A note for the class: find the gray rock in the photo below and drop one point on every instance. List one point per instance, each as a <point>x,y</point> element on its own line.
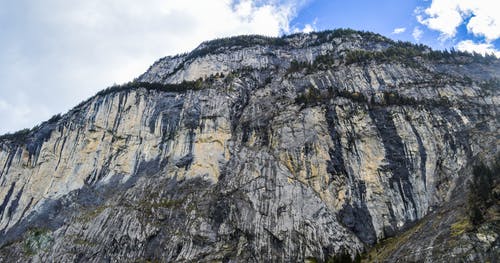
<point>265,162</point>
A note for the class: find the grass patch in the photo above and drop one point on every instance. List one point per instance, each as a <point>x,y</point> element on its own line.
<point>168,203</point>
<point>92,213</point>
<point>311,260</point>
<point>384,249</point>
<point>84,242</point>
<point>162,203</point>
<point>460,227</point>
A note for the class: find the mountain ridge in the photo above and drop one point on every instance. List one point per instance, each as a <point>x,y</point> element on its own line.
<point>317,39</point>
<point>254,152</point>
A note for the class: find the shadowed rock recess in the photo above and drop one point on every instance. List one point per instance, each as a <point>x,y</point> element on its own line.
<point>308,147</point>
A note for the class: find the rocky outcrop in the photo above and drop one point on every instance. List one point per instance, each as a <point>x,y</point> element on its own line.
<point>465,229</point>
<point>250,149</point>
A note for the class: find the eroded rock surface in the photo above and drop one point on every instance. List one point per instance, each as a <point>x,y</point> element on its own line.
<point>280,150</point>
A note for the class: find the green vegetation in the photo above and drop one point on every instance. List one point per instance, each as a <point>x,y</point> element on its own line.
<point>482,191</point>
<point>344,257</point>
<point>405,52</point>
<point>168,203</point>
<point>18,137</point>
<point>329,35</point>
<point>404,55</point>
<point>216,46</point>
<point>296,66</point>
<point>79,241</point>
<point>354,96</point>
<point>460,227</point>
<point>21,137</point>
<point>313,96</point>
<point>323,61</point>
<point>92,213</point>
<point>491,84</point>
<point>148,206</point>
<point>385,248</point>
<point>181,87</point>
<point>484,194</point>
<point>37,239</point>
<point>199,84</point>
<point>393,98</point>
<point>401,52</point>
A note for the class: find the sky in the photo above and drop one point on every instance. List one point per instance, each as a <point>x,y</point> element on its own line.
<point>56,53</point>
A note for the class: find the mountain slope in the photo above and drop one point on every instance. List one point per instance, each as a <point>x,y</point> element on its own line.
<point>252,149</point>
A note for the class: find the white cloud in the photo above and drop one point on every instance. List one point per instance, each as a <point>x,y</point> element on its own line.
<point>56,53</point>
<point>417,33</point>
<point>308,28</point>
<point>399,30</point>
<point>446,16</point>
<point>481,48</point>
<point>442,15</point>
<point>486,19</point>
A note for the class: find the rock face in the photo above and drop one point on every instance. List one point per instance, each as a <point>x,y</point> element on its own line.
<point>253,149</point>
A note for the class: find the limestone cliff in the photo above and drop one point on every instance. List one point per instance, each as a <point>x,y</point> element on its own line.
<point>253,149</point>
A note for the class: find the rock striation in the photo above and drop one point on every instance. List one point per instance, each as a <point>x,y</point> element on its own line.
<point>254,149</point>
